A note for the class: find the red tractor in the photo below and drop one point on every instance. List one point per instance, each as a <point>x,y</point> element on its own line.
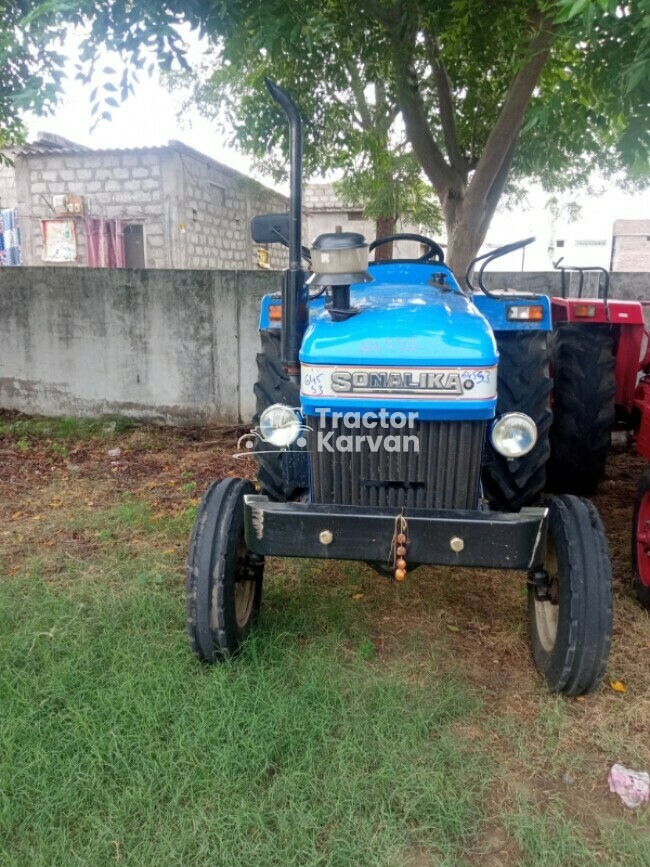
<point>601,371</point>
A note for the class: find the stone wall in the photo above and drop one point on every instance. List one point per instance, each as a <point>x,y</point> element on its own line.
<point>126,185</point>
<point>215,208</point>
<point>7,187</point>
<point>320,197</point>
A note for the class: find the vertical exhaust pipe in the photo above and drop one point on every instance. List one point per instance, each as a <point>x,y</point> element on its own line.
<point>295,314</point>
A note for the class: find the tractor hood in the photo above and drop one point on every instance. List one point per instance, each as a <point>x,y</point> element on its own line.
<point>421,346</point>
<point>426,326</point>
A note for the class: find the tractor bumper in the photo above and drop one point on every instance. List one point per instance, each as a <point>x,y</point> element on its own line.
<point>492,540</point>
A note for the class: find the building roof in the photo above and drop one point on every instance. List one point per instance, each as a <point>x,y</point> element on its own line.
<point>47,144</point>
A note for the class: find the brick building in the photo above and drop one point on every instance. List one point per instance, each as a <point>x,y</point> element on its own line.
<point>155,207</point>
<point>631,245</point>
<point>326,212</point>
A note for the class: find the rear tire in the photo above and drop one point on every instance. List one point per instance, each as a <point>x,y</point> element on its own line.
<point>641,541</point>
<point>224,579</point>
<point>571,629</point>
<point>523,385</point>
<point>583,407</point>
<point>273,386</point>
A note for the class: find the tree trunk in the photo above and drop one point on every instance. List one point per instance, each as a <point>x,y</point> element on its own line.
<point>385,227</point>
<point>464,239</point>
<point>468,190</point>
<point>466,231</point>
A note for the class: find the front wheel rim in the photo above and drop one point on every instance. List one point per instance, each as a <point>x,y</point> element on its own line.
<point>245,587</point>
<point>642,540</point>
<point>547,611</point>
<point>244,596</point>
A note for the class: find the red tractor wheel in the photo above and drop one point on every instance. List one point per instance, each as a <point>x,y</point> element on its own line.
<point>583,407</point>
<point>641,541</point>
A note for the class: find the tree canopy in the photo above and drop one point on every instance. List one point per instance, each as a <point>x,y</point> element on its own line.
<point>483,93</point>
<point>350,114</point>
<point>488,93</point>
<point>32,63</point>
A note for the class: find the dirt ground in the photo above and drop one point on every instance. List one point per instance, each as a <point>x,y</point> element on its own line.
<point>555,753</point>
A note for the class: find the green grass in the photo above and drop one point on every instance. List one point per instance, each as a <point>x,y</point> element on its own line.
<point>117,747</point>
<point>549,838</point>
<point>131,517</point>
<point>348,733</point>
<point>68,429</point>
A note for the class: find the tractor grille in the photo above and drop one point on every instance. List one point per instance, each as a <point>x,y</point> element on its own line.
<point>443,473</point>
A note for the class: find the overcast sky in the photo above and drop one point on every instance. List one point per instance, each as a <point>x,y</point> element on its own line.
<point>149,117</point>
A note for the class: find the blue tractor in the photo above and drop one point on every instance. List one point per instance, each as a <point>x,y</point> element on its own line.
<point>401,420</point>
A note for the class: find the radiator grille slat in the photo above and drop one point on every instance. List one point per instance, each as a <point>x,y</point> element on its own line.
<point>443,473</point>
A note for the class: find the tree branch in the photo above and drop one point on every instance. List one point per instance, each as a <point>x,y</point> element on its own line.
<point>445,103</point>
<point>508,125</point>
<point>362,104</point>
<point>346,106</point>
<point>442,176</point>
<point>381,106</point>
<point>499,182</point>
<point>385,114</point>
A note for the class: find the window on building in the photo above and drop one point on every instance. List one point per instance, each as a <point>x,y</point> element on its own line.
<point>219,193</point>
<point>134,245</point>
<point>355,216</point>
<point>338,229</point>
<point>559,243</point>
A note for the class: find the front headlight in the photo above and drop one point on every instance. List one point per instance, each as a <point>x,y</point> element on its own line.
<point>514,434</point>
<point>280,425</point>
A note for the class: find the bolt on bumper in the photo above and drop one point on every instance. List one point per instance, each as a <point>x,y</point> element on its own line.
<point>492,540</point>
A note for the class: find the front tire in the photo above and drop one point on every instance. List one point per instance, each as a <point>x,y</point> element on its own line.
<point>224,579</point>
<point>523,385</point>
<point>583,407</point>
<point>571,628</point>
<point>641,541</point>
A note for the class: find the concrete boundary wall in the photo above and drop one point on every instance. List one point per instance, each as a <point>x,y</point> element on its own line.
<point>629,285</point>
<point>171,346</point>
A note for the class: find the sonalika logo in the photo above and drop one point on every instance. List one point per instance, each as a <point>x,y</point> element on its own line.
<point>396,381</point>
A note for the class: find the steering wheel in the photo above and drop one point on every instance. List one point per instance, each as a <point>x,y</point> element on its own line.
<point>435,250</point>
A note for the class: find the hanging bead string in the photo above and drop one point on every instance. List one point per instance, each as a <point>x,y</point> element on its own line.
<point>398,548</point>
